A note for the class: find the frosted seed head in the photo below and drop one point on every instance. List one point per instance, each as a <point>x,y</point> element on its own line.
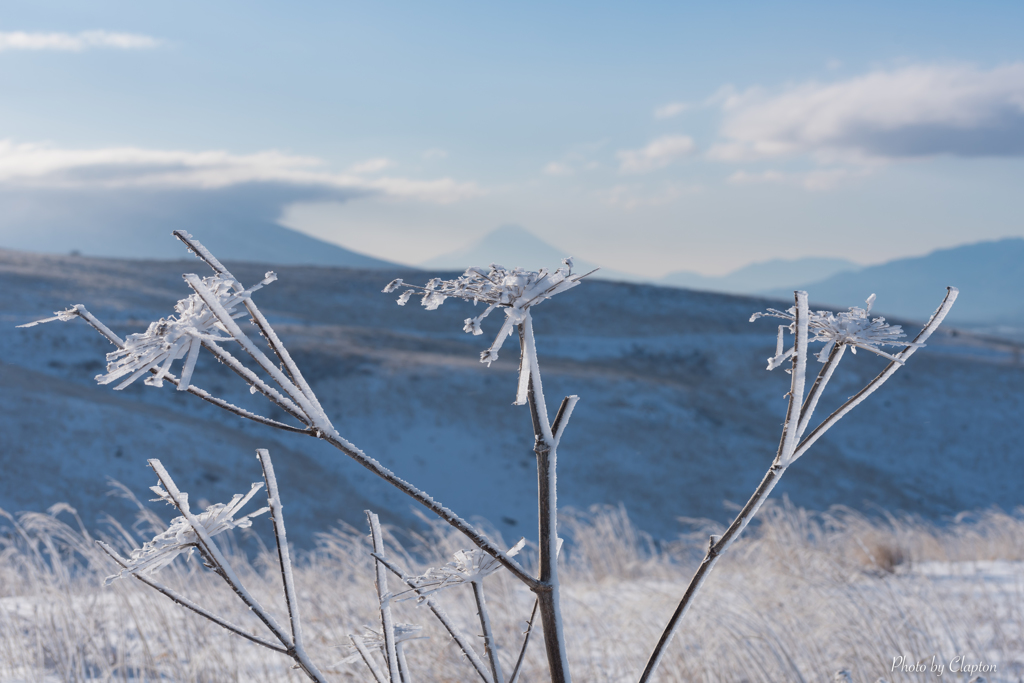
<point>853,328</point>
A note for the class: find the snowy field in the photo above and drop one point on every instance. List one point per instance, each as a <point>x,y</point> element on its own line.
<point>804,596</point>
<point>676,415</point>
<point>677,422</point>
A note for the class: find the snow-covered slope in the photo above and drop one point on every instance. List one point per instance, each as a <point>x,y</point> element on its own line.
<point>677,414</point>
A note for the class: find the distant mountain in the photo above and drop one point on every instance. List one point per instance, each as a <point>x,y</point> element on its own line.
<point>238,224</point>
<point>990,276</point>
<point>514,246</point>
<point>757,277</point>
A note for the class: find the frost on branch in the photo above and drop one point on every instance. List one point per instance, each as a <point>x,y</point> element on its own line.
<point>63,316</point>
<point>375,639</point>
<point>466,566</point>
<point>180,537</point>
<point>853,328</point>
<point>170,339</point>
<point>515,290</point>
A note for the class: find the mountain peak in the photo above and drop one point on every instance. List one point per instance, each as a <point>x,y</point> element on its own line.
<point>508,245</point>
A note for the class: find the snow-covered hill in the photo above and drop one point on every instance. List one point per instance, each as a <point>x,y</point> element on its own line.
<point>677,414</point>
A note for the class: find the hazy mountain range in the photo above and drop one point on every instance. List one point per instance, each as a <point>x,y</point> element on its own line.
<point>990,275</point>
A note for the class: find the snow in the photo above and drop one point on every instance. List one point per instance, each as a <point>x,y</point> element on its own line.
<point>676,413</point>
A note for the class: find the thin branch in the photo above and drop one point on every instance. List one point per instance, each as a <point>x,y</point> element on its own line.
<point>188,604</point>
<point>490,645</point>
<point>236,332</point>
<point>99,326</point>
<point>547,509</point>
<point>384,598</point>
<point>717,545</point>
<point>378,675</point>
<point>284,558</point>
<point>202,252</point>
<point>448,624</point>
<point>562,417</point>
<point>434,506</point>
<point>824,375</point>
<point>403,666</point>
<point>255,381</point>
<point>788,453</point>
<point>799,374</point>
<point>212,552</point>
<point>526,641</point>
<point>263,325</point>
<point>873,385</point>
<point>109,335</point>
<point>241,412</point>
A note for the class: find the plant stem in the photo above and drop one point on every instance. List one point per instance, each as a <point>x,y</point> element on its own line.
<point>547,510</point>
<point>452,629</point>
<point>485,623</point>
<point>933,323</point>
<point>526,641</point>
<point>718,545</point>
<point>378,675</point>
<point>387,623</point>
<point>188,604</point>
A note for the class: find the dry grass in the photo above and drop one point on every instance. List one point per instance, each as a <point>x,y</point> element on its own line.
<point>805,594</point>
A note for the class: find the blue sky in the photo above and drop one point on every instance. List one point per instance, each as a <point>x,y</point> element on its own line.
<point>646,137</point>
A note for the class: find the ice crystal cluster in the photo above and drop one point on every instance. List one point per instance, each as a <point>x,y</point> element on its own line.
<point>515,290</point>
<point>466,566</point>
<point>181,537</point>
<point>853,328</point>
<point>170,339</point>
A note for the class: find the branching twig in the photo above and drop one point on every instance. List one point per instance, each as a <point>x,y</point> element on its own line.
<point>285,561</point>
<point>449,625</point>
<point>378,675</point>
<point>545,448</point>
<point>188,604</point>
<point>526,642</point>
<point>798,417</point>
<point>490,645</point>
<point>384,599</point>
<point>222,567</point>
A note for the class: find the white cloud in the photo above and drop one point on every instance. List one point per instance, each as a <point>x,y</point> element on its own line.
<point>818,180</point>
<point>908,112</point>
<point>658,154</point>
<point>75,42</point>
<point>375,165</point>
<point>558,168</point>
<point>634,197</point>
<point>670,110</point>
<point>126,167</point>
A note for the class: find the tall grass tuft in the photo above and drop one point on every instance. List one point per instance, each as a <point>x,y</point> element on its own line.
<point>804,594</point>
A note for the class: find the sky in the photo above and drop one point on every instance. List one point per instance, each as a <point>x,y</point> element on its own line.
<point>646,137</point>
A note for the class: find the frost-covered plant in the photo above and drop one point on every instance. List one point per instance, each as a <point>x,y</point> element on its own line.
<point>191,531</point>
<point>181,537</point>
<point>515,291</point>
<point>852,329</point>
<point>466,566</point>
<point>208,316</point>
